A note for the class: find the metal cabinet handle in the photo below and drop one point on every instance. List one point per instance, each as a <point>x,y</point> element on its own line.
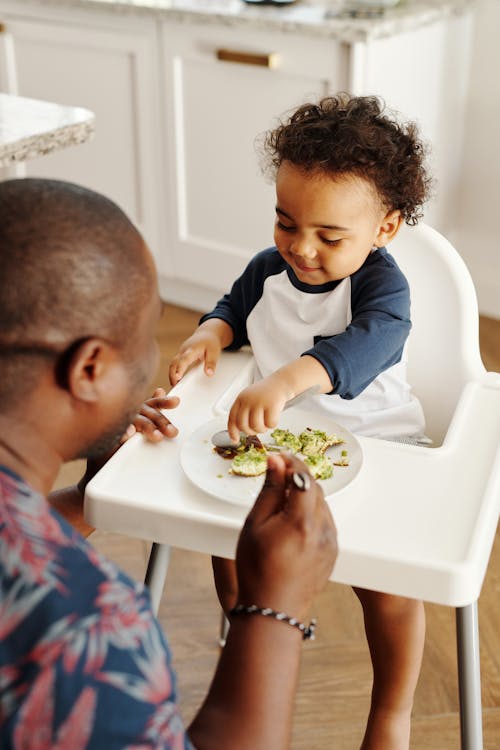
<point>269,60</point>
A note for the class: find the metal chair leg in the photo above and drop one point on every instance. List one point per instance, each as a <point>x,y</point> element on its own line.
<point>469,677</point>
<point>156,573</point>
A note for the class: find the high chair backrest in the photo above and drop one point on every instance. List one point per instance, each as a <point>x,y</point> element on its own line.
<point>443,347</point>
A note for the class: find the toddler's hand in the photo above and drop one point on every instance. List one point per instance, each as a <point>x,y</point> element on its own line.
<point>203,346</point>
<point>150,420</point>
<point>257,408</point>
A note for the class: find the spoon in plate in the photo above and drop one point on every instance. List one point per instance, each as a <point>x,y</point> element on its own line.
<point>221,438</point>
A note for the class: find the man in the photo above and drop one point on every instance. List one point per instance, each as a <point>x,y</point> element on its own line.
<point>83,662</point>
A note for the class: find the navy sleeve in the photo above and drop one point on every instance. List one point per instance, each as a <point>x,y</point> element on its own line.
<point>375,338</point>
<point>235,307</point>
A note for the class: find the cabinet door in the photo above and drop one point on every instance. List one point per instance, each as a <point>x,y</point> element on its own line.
<point>223,209</point>
<point>112,72</point>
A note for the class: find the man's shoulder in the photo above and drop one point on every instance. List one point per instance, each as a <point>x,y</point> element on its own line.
<point>77,634</point>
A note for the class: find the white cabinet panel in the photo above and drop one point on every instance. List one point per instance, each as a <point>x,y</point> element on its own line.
<point>224,209</point>
<point>423,73</point>
<point>114,74</point>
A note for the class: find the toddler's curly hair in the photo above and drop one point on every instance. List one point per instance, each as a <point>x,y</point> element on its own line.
<point>346,134</point>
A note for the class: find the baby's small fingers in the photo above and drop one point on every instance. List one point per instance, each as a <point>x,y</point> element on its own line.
<point>159,392</point>
<point>173,376</point>
<point>180,364</point>
<point>175,373</point>
<point>131,430</point>
<point>150,419</point>
<point>256,421</point>
<point>211,359</point>
<point>271,417</point>
<point>153,432</point>
<point>163,402</point>
<point>234,423</point>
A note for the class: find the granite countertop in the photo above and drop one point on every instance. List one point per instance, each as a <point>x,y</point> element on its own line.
<point>330,18</point>
<point>30,128</point>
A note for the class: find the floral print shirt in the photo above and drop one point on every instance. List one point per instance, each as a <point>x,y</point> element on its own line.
<point>83,661</point>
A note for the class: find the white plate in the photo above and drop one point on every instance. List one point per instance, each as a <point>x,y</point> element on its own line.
<point>210,472</point>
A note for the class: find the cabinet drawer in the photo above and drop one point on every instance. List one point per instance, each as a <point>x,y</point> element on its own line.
<point>223,88</point>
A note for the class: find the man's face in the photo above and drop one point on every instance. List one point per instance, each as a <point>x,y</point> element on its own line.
<point>132,374</point>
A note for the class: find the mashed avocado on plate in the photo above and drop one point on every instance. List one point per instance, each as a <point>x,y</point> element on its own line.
<point>314,442</point>
<point>250,463</point>
<point>249,458</point>
<point>319,465</point>
<point>286,439</point>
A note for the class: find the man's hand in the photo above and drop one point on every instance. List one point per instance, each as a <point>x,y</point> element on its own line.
<point>288,545</point>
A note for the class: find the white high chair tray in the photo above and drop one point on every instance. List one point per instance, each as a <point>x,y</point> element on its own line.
<point>417,521</point>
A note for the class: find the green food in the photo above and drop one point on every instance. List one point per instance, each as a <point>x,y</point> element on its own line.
<point>249,460</point>
<point>313,442</point>
<point>343,460</point>
<point>286,439</point>
<point>319,465</point>
<point>251,463</point>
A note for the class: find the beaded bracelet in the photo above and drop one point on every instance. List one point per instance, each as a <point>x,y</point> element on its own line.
<point>252,609</point>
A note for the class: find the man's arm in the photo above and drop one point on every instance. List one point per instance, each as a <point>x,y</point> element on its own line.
<point>69,504</point>
<point>250,702</point>
<point>285,556</point>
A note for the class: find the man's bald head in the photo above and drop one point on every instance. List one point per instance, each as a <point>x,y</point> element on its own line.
<point>72,266</point>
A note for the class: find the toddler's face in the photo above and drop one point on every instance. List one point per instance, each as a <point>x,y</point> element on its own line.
<point>326,228</point>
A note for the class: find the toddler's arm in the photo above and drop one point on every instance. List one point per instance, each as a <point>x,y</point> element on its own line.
<point>258,407</point>
<point>203,346</point>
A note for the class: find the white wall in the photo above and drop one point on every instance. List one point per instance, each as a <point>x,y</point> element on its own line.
<point>478,235</point>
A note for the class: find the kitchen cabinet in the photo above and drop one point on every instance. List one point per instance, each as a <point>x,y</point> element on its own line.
<point>223,208</point>
<point>73,58</point>
<point>181,93</point>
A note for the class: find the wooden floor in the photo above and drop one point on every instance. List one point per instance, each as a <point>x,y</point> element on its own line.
<point>333,698</point>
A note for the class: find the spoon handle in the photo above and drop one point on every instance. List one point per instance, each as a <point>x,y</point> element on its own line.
<point>297,399</point>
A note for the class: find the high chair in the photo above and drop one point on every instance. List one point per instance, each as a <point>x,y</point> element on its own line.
<point>417,521</point>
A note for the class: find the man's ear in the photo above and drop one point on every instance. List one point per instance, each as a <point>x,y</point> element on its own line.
<point>87,367</point>
<point>389,227</point>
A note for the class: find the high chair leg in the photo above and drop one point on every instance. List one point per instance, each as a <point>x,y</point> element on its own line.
<point>156,573</point>
<point>469,677</point>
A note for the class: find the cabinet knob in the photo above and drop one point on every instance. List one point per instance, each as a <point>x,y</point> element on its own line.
<point>264,60</point>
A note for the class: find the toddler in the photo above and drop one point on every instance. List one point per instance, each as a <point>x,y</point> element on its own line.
<point>328,306</point>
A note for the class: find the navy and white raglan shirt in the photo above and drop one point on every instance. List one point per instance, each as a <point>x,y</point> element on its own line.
<point>356,327</point>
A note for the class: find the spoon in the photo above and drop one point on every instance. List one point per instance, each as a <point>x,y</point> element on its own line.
<point>221,438</point>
